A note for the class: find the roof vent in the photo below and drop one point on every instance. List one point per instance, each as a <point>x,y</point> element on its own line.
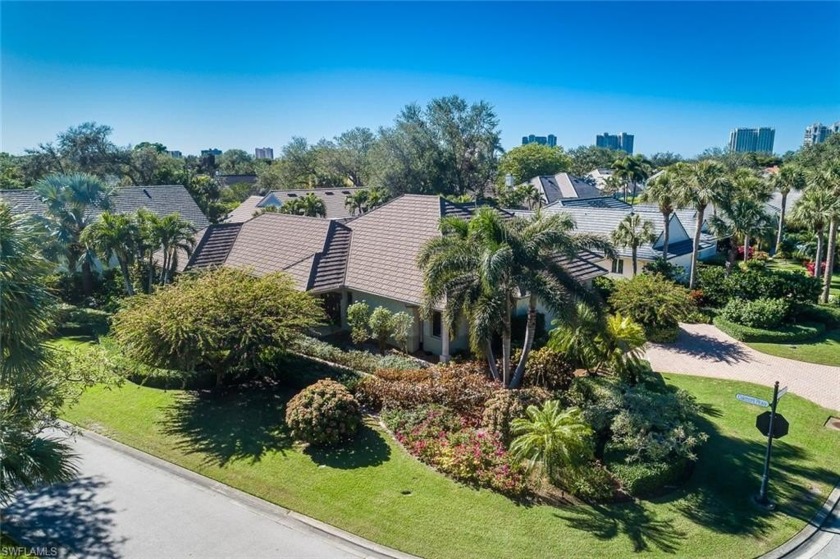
<point>329,193</point>
<point>146,192</point>
<point>345,192</point>
<point>291,195</point>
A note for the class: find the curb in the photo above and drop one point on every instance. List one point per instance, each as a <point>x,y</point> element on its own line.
<point>809,530</point>
<point>342,539</point>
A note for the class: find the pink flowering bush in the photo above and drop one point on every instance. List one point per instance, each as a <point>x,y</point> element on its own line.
<point>811,266</point>
<point>457,448</point>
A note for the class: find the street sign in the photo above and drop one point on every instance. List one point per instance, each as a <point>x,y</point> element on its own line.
<point>780,425</point>
<point>753,401</point>
<point>783,391</point>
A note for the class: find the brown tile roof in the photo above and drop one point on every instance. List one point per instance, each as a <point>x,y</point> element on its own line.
<point>214,246</point>
<point>244,211</point>
<point>333,198</point>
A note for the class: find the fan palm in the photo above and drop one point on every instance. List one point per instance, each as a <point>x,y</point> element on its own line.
<point>813,210</point>
<point>114,236</point>
<point>71,202</point>
<point>552,438</point>
<point>788,178</point>
<point>479,269</point>
<point>696,185</point>
<point>634,232</point>
<point>660,191</point>
<point>828,177</point>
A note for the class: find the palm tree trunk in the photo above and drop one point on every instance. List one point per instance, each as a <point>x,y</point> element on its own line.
<point>731,257</point>
<point>829,259</point>
<point>633,250</point>
<point>164,266</point>
<point>781,223</point>
<point>151,271</point>
<point>87,277</point>
<point>696,247</point>
<point>506,347</point>
<point>530,332</point>
<point>491,360</point>
<point>818,258</point>
<point>746,247</point>
<point>129,289</point>
<point>667,232</point>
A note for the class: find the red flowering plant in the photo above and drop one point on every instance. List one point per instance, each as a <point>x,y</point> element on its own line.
<point>810,266</point>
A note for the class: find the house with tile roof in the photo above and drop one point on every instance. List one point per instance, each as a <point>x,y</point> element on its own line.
<point>371,258</point>
<point>563,186</point>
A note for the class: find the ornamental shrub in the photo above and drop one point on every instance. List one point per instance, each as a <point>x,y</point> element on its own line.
<point>756,283</point>
<point>788,334</point>
<point>323,414</point>
<point>363,361</point>
<point>590,483</point>
<point>761,313</point>
<point>648,478</point>
<point>506,405</point>
<point>81,321</point>
<point>652,301</point>
<point>462,387</point>
<point>548,369</point>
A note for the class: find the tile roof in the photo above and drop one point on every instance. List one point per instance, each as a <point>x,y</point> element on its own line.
<point>215,244</point>
<point>563,185</point>
<point>159,199</point>
<point>599,202</point>
<point>333,198</point>
<point>244,211</point>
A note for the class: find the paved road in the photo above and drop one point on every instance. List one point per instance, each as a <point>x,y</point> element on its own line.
<point>703,350</point>
<point>126,504</point>
<point>825,544</point>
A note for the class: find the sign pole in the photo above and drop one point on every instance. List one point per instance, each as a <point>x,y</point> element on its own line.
<point>762,495</point>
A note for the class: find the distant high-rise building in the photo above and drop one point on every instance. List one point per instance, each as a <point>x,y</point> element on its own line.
<point>752,140</point>
<point>550,140</point>
<point>264,153</point>
<point>175,153</point>
<point>623,141</point>
<point>212,151</point>
<point>817,133</point>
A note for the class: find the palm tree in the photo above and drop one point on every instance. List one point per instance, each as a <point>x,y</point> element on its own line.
<point>114,236</point>
<point>633,232</point>
<point>787,179</point>
<point>552,438</point>
<point>71,202</point>
<point>813,210</point>
<point>309,205</point>
<point>147,244</point>
<point>828,177</point>
<point>173,234</point>
<point>632,169</point>
<point>660,191</point>
<point>356,202</point>
<point>532,196</point>
<point>696,186</point>
<point>479,269</point>
<point>28,459</point>
<point>741,211</point>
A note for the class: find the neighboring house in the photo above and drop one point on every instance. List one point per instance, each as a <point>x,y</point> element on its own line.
<point>159,199</point>
<point>230,180</point>
<point>599,177</point>
<point>601,216</point>
<point>245,210</point>
<point>371,258</point>
<point>334,200</point>
<point>563,186</point>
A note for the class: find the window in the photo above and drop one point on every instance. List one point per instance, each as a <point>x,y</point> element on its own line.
<point>618,266</point>
<point>437,324</point>
<point>332,308</point>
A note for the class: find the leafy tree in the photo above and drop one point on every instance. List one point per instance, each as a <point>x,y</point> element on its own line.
<point>348,156</point>
<point>70,201</point>
<point>532,160</point>
<point>148,165</point>
<point>236,162</point>
<point>156,146</point>
<point>634,232</point>
<point>588,158</point>
<point>206,192</point>
<point>309,205</point>
<point>385,324</point>
<point>478,269</point>
<point>223,320</point>
<point>787,179</point>
<point>654,302</point>
<point>297,166</point>
<point>660,191</point>
<point>448,147</point>
<point>12,175</point>
<point>86,148</point>
<point>552,438</point>
<point>696,185</point>
<point>113,236</point>
<point>632,169</point>
<point>661,160</point>
<point>358,316</point>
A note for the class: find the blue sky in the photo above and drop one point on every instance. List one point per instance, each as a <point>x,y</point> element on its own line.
<point>194,75</point>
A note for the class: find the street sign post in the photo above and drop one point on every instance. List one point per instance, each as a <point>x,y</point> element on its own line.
<point>783,391</point>
<point>751,400</point>
<point>772,425</point>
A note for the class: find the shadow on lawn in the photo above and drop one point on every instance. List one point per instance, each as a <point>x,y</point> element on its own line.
<point>632,520</point>
<point>239,424</point>
<point>70,517</point>
<point>368,448</point>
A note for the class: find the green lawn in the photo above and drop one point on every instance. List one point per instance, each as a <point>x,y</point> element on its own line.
<point>824,349</point>
<point>374,489</point>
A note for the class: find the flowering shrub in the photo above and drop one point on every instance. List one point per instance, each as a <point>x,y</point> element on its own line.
<point>463,388</point>
<point>811,265</point>
<point>324,413</point>
<point>506,405</point>
<point>449,444</point>
<point>750,254</point>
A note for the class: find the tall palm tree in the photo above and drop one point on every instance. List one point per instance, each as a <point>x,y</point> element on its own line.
<point>634,232</point>
<point>71,204</point>
<point>552,438</point>
<point>660,191</point>
<point>479,269</point>
<point>741,212</point>
<point>147,244</point>
<point>173,234</point>
<point>813,210</point>
<point>532,196</point>
<point>828,177</point>
<point>696,186</point>
<point>787,179</point>
<point>632,169</point>
<point>114,236</point>
<point>28,458</point>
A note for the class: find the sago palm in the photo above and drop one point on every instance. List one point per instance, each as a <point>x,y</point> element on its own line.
<point>633,232</point>
<point>552,438</point>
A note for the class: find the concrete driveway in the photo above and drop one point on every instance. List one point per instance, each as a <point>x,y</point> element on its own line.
<point>128,504</point>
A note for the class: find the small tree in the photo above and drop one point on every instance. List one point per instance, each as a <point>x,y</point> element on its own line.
<point>384,324</point>
<point>654,302</point>
<point>358,315</point>
<point>220,320</point>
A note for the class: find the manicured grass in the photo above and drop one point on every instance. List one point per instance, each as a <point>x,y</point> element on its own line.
<point>374,489</point>
<point>824,349</point>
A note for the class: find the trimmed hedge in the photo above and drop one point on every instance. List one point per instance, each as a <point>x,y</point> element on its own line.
<point>793,333</point>
<point>826,314</point>
<point>363,361</point>
<point>646,479</point>
<point>81,321</point>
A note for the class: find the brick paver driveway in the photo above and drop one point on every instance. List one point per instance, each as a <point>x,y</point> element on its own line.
<point>703,350</point>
